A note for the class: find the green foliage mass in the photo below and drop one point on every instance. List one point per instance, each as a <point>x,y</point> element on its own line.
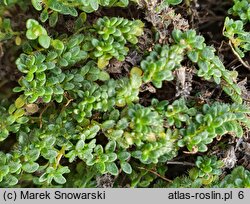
<point>158,66</point>
<point>204,174</point>
<point>241,9</point>
<point>113,34</point>
<point>70,120</point>
<point>213,121</point>
<point>235,29</point>
<point>239,178</point>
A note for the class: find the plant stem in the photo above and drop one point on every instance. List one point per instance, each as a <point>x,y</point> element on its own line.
<point>155,173</point>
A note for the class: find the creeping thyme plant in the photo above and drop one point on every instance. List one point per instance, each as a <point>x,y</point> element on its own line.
<point>235,29</point>
<point>76,110</point>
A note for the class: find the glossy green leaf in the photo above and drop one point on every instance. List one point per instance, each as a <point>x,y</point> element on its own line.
<point>112,168</point>
<point>126,167</point>
<point>30,167</point>
<point>44,41</point>
<point>37,4</point>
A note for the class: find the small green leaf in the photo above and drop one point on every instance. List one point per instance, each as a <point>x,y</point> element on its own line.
<point>112,169</point>
<point>3,134</point>
<point>11,180</point>
<point>100,167</point>
<point>111,157</point>
<point>69,86</point>
<point>33,154</point>
<point>193,56</point>
<point>53,19</point>
<point>181,143</point>
<point>110,147</point>
<point>238,182</point>
<point>108,124</point>
<point>102,62</point>
<point>207,169</point>
<point>10,119</point>
<point>33,98</point>
<point>199,118</point>
<point>44,15</point>
<point>126,167</point>
<point>44,41</point>
<point>173,2</point>
<point>37,4</point>
<point>57,44</point>
<point>104,76</point>
<point>30,23</point>
<point>202,148</point>
<point>123,156</point>
<point>94,4</point>
<point>43,177</point>
<point>20,102</point>
<point>59,179</point>
<point>80,145</point>
<point>30,167</point>
<point>31,35</point>
<point>49,154</point>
